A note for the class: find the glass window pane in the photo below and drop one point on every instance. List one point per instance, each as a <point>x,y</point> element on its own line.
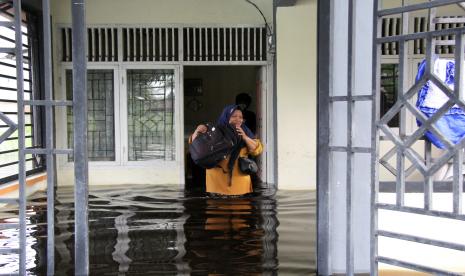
<point>389,82</point>
<point>151,115</point>
<point>100,117</point>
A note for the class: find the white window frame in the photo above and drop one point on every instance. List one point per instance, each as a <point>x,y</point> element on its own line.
<point>117,113</point>
<point>176,163</point>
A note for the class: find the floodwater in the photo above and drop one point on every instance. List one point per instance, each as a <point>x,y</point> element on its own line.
<point>164,230</point>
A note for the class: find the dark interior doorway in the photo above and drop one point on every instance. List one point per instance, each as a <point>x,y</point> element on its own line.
<point>207,89</point>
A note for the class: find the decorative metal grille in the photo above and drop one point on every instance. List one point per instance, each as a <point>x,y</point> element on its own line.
<point>102,44</point>
<point>101,119</point>
<point>151,114</point>
<point>391,26</point>
<point>224,44</point>
<point>8,97</point>
<point>164,44</point>
<point>429,39</point>
<point>150,44</point>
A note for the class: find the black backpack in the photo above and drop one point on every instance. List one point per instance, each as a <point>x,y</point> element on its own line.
<point>209,148</point>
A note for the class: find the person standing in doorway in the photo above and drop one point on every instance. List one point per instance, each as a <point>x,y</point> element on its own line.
<point>226,179</point>
<point>243,100</point>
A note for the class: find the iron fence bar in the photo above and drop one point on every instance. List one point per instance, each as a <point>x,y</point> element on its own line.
<point>81,178</point>
<point>181,44</point>
<point>48,151</point>
<point>230,44</point>
<point>173,42</point>
<point>417,163</point>
<point>420,211</point>
<point>353,149</point>
<point>207,43</point>
<point>6,134</point>
<point>445,186</point>
<point>388,166</point>
<point>416,267</point>
<point>353,98</point>
<point>400,166</point>
<point>48,103</point>
<point>449,245</point>
<point>6,50</point>
<point>236,43</point>
<point>323,154</point>
<point>444,158</point>
<point>10,251</point>
<point>6,119</point>
<point>21,136</point>
<point>147,44</point>
<point>188,34</point>
<point>6,24</point>
<point>200,52</point>
<point>419,35</point>
<point>350,155</point>
<point>5,226</point>
<point>415,7</point>
<point>9,201</point>
<point>375,108</point>
<point>195,55</point>
<point>260,50</point>
<point>458,158</point>
<point>428,185</point>
<point>242,44</point>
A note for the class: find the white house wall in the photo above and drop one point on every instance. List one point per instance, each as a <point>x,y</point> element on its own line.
<point>167,11</point>
<point>296,95</point>
<point>296,72</point>
<point>143,12</point>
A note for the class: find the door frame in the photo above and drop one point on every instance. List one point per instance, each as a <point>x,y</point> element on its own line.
<point>267,110</point>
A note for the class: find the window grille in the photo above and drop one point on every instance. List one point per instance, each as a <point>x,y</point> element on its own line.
<point>164,44</point>
<point>102,44</point>
<point>224,44</point>
<point>8,96</point>
<point>391,26</point>
<point>100,119</point>
<point>151,115</point>
<point>150,44</point>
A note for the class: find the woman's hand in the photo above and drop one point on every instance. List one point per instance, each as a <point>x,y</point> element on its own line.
<point>199,129</point>
<point>251,143</point>
<point>241,133</point>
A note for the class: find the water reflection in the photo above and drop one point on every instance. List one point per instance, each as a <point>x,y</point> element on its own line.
<point>161,230</point>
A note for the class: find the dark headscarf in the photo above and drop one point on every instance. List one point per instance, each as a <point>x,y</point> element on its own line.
<point>224,121</point>
<point>226,115</point>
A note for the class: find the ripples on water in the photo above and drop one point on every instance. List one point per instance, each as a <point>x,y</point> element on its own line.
<point>162,230</point>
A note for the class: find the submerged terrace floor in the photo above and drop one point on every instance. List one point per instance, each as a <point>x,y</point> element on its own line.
<point>164,230</point>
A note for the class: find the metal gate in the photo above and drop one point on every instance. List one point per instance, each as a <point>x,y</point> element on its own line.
<point>80,128</point>
<point>407,158</point>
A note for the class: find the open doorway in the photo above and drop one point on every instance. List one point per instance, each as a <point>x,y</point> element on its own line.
<point>207,89</point>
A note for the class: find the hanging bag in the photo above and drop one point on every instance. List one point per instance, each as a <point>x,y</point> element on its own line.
<point>213,146</point>
<point>247,165</point>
